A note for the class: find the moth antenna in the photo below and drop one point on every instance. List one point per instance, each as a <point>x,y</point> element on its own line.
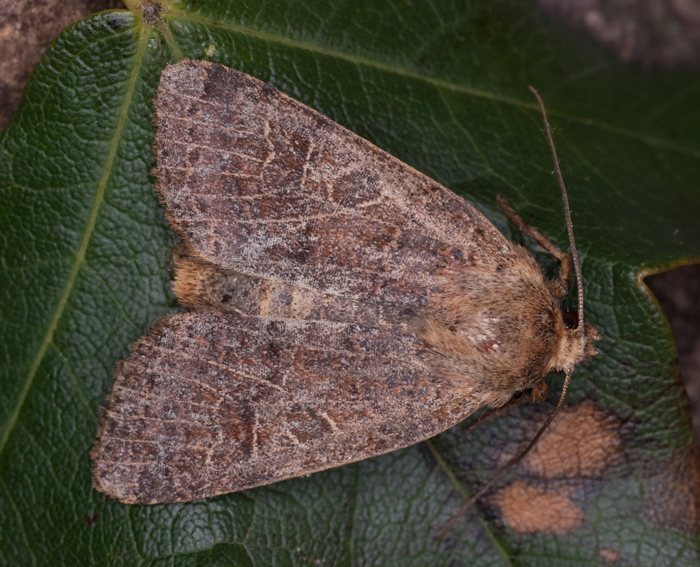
<point>565,204</point>
<point>567,377</point>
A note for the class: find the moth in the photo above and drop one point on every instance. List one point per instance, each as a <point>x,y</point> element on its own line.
<point>340,304</point>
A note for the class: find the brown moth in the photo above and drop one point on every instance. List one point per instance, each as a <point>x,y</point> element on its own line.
<point>342,304</point>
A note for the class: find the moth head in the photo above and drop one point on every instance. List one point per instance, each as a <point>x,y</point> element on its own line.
<point>575,346</point>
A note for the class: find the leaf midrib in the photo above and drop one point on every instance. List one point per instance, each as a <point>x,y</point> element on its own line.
<point>427,79</point>
<point>88,232</point>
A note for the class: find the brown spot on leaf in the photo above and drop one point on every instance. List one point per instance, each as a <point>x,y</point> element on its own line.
<point>582,442</point>
<point>609,555</point>
<point>529,509</point>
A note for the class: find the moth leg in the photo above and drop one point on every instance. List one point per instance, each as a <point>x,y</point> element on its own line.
<point>560,285</point>
<point>536,394</point>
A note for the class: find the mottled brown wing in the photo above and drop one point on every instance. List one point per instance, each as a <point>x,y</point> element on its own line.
<point>211,403</point>
<point>292,196</point>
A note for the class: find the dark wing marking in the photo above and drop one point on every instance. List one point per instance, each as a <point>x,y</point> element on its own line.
<point>210,403</point>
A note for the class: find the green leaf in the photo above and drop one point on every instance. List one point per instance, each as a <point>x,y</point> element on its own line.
<point>443,86</point>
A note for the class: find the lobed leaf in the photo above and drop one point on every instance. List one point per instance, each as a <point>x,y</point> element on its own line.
<point>443,86</point>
